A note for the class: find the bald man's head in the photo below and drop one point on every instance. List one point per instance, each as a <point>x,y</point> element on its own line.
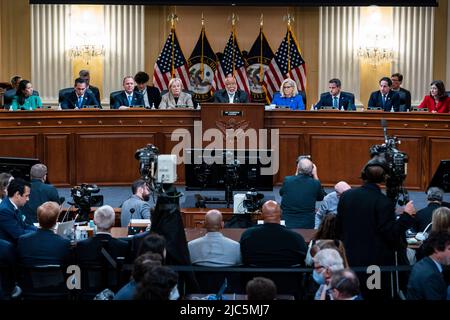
<point>213,220</point>
<point>341,187</point>
<point>271,212</point>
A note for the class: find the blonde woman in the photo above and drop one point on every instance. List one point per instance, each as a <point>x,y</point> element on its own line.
<point>441,220</point>
<point>289,96</point>
<point>175,97</point>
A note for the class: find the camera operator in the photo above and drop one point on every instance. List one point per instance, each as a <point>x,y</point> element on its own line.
<point>299,195</point>
<point>366,223</point>
<point>137,206</point>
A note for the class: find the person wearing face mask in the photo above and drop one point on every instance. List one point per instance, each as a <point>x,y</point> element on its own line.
<point>326,262</point>
<point>137,206</point>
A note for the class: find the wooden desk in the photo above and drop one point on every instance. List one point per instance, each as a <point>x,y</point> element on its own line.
<point>98,146</point>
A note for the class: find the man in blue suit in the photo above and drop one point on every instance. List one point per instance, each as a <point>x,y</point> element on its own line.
<point>12,222</point>
<point>40,192</point>
<point>385,98</point>
<point>79,98</point>
<point>336,98</point>
<point>128,97</point>
<point>44,247</point>
<point>426,281</point>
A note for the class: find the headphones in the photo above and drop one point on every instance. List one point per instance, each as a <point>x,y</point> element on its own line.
<point>366,174</point>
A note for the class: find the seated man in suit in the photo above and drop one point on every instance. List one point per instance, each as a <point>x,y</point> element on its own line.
<point>426,281</point>
<point>128,97</point>
<point>336,98</point>
<point>12,222</point>
<point>89,251</point>
<point>40,192</point>
<point>271,244</point>
<point>151,94</point>
<point>44,247</point>
<point>231,93</point>
<point>79,98</point>
<point>84,74</point>
<point>385,98</point>
<point>214,249</point>
<point>405,95</point>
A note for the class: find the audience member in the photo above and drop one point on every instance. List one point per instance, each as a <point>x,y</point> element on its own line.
<point>405,95</point>
<point>330,202</point>
<point>86,76</point>
<point>142,265</point>
<point>368,226</point>
<point>271,244</point>
<point>175,97</point>
<point>423,216</point>
<point>385,98</point>
<point>327,229</point>
<point>44,247</point>
<point>326,261</point>
<point>426,281</point>
<point>5,179</point>
<point>231,93</point>
<point>89,251</point>
<point>437,101</point>
<point>336,98</point>
<point>288,96</point>
<point>344,285</point>
<point>299,195</point>
<point>151,94</point>
<point>153,243</point>
<point>441,220</point>
<point>11,93</point>
<point>12,223</point>
<point>260,288</point>
<point>25,99</point>
<point>214,249</point>
<point>79,98</point>
<point>137,206</point>
<point>159,283</point>
<point>128,97</point>
<point>40,192</point>
<point>337,245</point>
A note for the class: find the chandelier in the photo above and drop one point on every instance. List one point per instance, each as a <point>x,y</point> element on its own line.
<point>376,54</point>
<point>86,52</point>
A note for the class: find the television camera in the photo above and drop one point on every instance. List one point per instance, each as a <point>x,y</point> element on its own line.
<point>253,201</point>
<point>83,199</point>
<point>396,165</point>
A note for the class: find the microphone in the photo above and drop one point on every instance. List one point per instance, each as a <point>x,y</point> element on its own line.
<point>130,228</point>
<point>384,125</point>
<point>422,236</point>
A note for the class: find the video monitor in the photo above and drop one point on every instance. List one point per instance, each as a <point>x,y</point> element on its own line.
<point>240,169</point>
<point>18,167</point>
<point>441,177</point>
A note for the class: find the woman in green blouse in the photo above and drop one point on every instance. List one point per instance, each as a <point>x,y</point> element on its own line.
<point>24,98</point>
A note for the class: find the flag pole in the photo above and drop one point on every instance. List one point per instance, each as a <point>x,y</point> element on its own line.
<point>172,18</point>
<point>233,29</point>
<point>261,69</point>
<point>289,21</point>
<point>202,67</point>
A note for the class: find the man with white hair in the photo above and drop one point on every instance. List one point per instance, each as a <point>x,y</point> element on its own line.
<point>90,251</point>
<point>326,262</point>
<point>299,195</point>
<point>435,196</point>
<point>330,202</point>
<point>40,192</point>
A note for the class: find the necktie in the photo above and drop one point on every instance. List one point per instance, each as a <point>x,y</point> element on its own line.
<point>335,102</point>
<point>80,101</point>
<point>129,100</point>
<point>384,99</point>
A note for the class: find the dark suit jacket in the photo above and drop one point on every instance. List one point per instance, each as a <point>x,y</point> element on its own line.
<point>40,193</point>
<point>43,247</point>
<point>11,224</point>
<point>70,100</point>
<point>367,225</point>
<point>405,99</point>
<point>122,100</point>
<point>7,253</point>
<point>346,100</point>
<point>272,245</point>
<point>426,282</point>
<point>153,94</point>
<point>423,216</point>
<point>221,96</point>
<point>88,251</point>
<point>393,101</point>
<point>298,203</point>
<point>96,93</point>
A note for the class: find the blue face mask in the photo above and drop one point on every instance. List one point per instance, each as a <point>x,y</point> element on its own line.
<point>318,277</point>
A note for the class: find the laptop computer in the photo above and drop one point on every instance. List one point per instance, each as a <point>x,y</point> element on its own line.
<point>65,229</point>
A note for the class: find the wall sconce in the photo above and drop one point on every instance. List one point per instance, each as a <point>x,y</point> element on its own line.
<point>86,52</point>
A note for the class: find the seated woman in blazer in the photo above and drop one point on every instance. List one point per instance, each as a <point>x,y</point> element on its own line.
<point>288,96</point>
<point>175,97</point>
<point>24,99</point>
<point>437,101</point>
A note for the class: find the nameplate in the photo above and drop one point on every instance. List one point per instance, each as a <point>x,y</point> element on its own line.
<point>415,109</point>
<point>232,113</point>
<point>374,109</point>
<point>328,108</point>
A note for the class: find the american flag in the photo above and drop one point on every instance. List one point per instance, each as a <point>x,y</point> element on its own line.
<point>163,66</point>
<point>286,63</point>
<point>232,56</point>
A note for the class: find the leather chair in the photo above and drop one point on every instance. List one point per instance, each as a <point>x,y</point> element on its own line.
<point>63,92</point>
<point>47,282</point>
<point>112,97</point>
